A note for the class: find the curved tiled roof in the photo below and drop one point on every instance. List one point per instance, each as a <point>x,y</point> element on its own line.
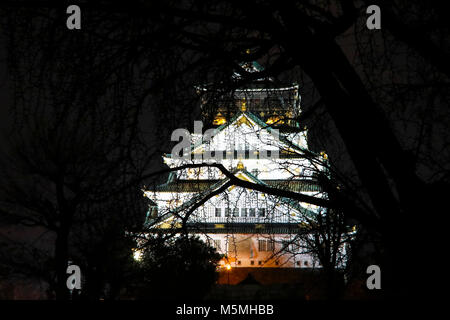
<point>304,185</point>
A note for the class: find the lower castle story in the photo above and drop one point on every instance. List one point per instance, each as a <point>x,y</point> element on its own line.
<point>242,250</point>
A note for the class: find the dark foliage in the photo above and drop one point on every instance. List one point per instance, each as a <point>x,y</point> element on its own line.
<point>184,269</point>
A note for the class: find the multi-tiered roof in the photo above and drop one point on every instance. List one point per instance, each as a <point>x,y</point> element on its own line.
<point>257,139</point>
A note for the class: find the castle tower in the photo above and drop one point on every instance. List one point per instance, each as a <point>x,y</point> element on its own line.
<point>254,135</point>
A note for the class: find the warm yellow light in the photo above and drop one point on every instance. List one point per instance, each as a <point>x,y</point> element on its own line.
<point>219,121</point>
<point>228,267</point>
<point>137,254</point>
<point>272,120</point>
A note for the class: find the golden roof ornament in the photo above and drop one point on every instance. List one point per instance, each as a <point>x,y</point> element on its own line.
<point>243,105</point>
<point>240,166</point>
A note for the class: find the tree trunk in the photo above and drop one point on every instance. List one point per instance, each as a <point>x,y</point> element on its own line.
<point>374,149</point>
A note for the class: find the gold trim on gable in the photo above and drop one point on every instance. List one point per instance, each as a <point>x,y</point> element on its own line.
<point>242,177</point>
<point>243,120</point>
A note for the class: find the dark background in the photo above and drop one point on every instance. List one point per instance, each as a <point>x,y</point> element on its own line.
<point>96,107</point>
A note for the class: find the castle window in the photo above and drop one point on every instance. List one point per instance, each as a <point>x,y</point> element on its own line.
<point>227,212</point>
<point>243,212</point>
<point>266,245</point>
<point>218,212</point>
<point>236,212</point>
<point>305,263</point>
<point>270,245</point>
<point>217,245</point>
<point>252,262</point>
<point>239,262</point>
<point>260,263</point>
<point>262,245</point>
<point>252,212</point>
<point>261,212</point>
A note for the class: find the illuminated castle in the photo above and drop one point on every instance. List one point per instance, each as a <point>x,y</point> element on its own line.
<point>256,138</point>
